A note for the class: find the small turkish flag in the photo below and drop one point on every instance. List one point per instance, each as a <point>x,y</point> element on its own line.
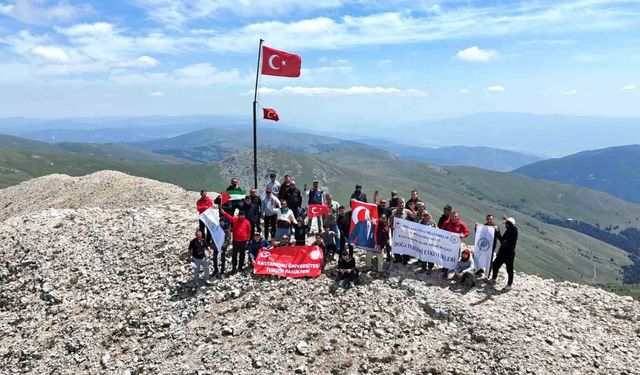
<point>270,114</point>
<point>317,210</point>
<point>280,63</point>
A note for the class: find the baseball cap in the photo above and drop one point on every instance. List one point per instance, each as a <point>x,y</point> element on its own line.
<point>268,190</point>
<point>511,220</point>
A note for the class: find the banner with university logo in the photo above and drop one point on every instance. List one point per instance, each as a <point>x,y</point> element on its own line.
<point>211,218</point>
<point>483,249</point>
<point>289,261</point>
<point>426,243</point>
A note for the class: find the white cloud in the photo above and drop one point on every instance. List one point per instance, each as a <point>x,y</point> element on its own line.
<point>192,75</point>
<point>38,12</point>
<point>156,94</point>
<point>571,92</point>
<point>52,53</point>
<point>628,88</point>
<point>496,88</point>
<point>476,54</point>
<point>353,90</point>
<point>141,62</point>
<point>464,91</point>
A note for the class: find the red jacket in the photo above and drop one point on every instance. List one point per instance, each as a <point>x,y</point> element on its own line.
<point>241,229</point>
<point>202,206</point>
<point>459,227</point>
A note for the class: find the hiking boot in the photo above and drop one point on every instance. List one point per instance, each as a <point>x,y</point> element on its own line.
<point>506,288</point>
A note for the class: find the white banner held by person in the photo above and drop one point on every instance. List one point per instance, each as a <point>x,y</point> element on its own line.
<point>483,249</point>
<point>426,243</point>
<point>211,219</point>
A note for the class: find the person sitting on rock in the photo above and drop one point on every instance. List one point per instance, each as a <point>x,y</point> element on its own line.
<point>347,271</point>
<point>198,248</point>
<point>329,238</point>
<point>300,230</point>
<point>255,245</point>
<point>464,267</point>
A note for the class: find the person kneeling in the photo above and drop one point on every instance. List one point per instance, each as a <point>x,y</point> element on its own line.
<point>347,271</point>
<point>464,270</point>
<point>254,246</point>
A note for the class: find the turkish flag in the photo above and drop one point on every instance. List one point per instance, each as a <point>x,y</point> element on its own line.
<point>316,210</point>
<point>270,114</point>
<point>289,261</point>
<point>280,63</point>
<point>361,212</point>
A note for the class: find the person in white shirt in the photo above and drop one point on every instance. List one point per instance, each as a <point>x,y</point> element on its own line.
<point>274,184</point>
<point>270,204</point>
<point>284,220</point>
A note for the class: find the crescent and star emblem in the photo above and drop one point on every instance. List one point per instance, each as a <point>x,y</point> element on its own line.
<point>314,210</point>
<point>355,214</point>
<point>282,62</point>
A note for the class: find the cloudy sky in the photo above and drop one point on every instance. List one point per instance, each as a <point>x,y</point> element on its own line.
<point>363,60</point>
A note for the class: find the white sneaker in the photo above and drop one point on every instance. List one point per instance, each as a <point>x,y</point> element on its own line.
<point>507,288</point>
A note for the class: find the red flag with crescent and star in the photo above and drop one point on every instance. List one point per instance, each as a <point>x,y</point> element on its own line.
<point>280,63</point>
<point>316,210</point>
<point>270,114</point>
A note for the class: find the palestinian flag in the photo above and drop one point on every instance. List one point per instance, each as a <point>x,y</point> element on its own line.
<point>232,195</point>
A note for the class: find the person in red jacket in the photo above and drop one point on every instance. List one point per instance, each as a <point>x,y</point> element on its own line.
<point>202,205</point>
<point>241,237</point>
<point>455,225</point>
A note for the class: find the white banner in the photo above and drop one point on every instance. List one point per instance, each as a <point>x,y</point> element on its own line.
<point>483,249</point>
<point>211,218</point>
<point>426,243</point>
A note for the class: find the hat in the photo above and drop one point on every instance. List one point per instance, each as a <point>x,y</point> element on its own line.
<point>268,190</point>
<point>511,220</point>
<point>466,251</point>
<point>394,193</point>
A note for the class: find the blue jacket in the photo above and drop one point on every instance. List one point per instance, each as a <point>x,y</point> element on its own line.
<point>254,246</point>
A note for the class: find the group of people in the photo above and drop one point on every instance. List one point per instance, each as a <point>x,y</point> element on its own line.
<point>284,217</point>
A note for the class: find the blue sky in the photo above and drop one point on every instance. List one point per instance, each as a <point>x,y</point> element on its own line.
<point>363,60</point>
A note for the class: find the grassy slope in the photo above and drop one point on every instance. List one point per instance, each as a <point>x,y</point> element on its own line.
<point>544,249</point>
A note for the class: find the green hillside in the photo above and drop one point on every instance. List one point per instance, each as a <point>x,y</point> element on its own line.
<point>544,249</point>
<point>613,170</point>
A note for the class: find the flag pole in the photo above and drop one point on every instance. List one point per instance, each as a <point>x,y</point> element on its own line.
<point>255,121</point>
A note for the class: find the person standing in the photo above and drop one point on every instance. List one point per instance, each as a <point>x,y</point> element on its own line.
<point>382,239</point>
<point>427,220</point>
<point>300,231</point>
<point>241,236</point>
<point>257,202</point>
<point>446,213</point>
<point>225,224</point>
<point>490,221</point>
<point>292,196</point>
<point>507,252</point>
<point>198,248</point>
<point>383,207</point>
<point>400,213</point>
<point>233,205</point>
<point>331,219</point>
<point>270,204</point>
<point>414,198</point>
<point>273,184</point>
<point>344,225</point>
<point>283,188</point>
<point>454,225</point>
<point>316,196</point>
<point>203,204</point>
<point>359,195</point>
<point>284,220</point>
<point>251,212</point>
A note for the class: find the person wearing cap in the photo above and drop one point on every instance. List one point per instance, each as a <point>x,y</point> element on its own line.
<point>284,219</point>
<point>241,236</point>
<point>347,271</point>
<point>382,239</point>
<point>256,243</point>
<point>203,204</point>
<point>507,252</point>
<point>300,231</point>
<point>273,184</point>
<point>464,266</point>
<point>316,196</point>
<point>455,225</point>
<point>270,204</point>
<point>359,195</point>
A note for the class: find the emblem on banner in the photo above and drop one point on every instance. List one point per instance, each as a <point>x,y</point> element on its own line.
<point>315,255</point>
<point>484,244</point>
<point>454,239</point>
<point>265,254</point>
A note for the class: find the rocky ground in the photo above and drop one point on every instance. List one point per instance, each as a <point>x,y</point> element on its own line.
<point>94,279</point>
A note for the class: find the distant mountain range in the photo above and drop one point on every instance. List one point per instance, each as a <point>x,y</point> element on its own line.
<point>615,170</point>
<point>547,248</point>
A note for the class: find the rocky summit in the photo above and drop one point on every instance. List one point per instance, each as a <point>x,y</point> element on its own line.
<point>95,279</point>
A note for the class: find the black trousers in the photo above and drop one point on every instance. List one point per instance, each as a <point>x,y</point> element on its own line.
<point>507,258</point>
<point>255,227</point>
<point>351,276</point>
<point>237,255</point>
<point>202,229</point>
<point>223,260</point>
<point>343,244</point>
<point>269,226</point>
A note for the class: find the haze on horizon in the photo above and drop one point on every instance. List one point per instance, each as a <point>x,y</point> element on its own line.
<point>369,62</point>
